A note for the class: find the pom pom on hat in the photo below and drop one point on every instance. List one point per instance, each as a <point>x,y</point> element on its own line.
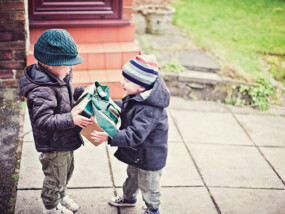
<point>56,47</point>
<point>142,70</point>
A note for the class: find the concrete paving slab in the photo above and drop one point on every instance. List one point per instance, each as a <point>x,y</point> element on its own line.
<point>249,201</point>
<point>181,103</point>
<point>91,167</point>
<point>234,166</point>
<point>31,175</point>
<point>93,200</point>
<point>173,134</point>
<point>187,200</point>
<point>28,137</point>
<point>179,169</point>
<point>277,159</point>
<point>27,122</point>
<point>210,127</point>
<point>182,200</point>
<point>28,202</point>
<point>264,130</point>
<point>89,201</point>
<point>119,169</point>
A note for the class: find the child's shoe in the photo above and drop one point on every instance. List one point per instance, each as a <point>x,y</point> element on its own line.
<point>69,203</point>
<point>119,201</point>
<point>59,209</point>
<point>149,211</point>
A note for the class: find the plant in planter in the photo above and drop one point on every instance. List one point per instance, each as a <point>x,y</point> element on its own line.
<point>157,17</point>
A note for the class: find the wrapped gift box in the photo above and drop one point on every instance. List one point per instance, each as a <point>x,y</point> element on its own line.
<point>101,109</point>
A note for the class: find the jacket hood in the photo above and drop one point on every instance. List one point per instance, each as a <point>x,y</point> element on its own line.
<point>35,76</point>
<point>158,96</point>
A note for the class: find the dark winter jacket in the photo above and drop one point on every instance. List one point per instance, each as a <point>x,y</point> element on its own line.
<point>50,101</point>
<point>142,138</point>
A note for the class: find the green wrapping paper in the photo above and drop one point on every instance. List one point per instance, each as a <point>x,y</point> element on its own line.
<point>97,105</point>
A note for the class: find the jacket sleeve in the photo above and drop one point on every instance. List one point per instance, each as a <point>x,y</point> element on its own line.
<point>77,92</point>
<point>135,134</point>
<point>119,103</point>
<point>44,104</point>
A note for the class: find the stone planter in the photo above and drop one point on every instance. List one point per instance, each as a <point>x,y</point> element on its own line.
<point>157,17</point>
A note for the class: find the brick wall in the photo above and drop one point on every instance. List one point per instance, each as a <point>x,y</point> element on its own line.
<point>127,9</point>
<point>12,42</point>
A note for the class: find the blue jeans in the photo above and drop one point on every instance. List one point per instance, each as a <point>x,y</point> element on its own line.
<point>145,181</point>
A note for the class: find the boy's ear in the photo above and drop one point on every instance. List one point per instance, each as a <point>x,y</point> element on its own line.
<point>141,89</point>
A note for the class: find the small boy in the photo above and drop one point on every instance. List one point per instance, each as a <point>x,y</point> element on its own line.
<point>50,98</point>
<point>142,138</point>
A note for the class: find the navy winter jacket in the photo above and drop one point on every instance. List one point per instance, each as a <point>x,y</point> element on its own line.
<point>50,101</point>
<point>142,138</point>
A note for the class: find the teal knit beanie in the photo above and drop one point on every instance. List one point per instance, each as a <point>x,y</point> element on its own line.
<point>56,47</point>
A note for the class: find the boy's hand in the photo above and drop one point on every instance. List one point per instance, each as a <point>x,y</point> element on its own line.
<point>80,120</point>
<point>99,137</point>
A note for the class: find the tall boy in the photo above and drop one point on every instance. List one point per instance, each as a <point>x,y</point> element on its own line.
<point>142,138</point>
<point>50,98</point>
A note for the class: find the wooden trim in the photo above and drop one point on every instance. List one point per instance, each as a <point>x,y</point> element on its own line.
<point>75,12</point>
<point>82,23</point>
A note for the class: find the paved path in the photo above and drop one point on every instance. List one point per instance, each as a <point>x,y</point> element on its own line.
<point>221,160</point>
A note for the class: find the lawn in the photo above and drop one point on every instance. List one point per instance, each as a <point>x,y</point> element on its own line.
<point>249,34</point>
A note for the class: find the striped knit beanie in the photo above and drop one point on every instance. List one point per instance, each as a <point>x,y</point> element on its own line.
<point>142,70</point>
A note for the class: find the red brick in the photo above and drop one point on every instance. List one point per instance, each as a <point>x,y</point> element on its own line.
<point>19,74</point>
<point>17,15</point>
<point>127,13</point>
<point>12,5</point>
<point>19,55</point>
<point>10,83</point>
<point>12,25</point>
<point>8,64</point>
<point>15,45</point>
<point>6,36</point>
<point>5,74</point>
<point>19,36</point>
<point>128,2</point>
<point>6,55</point>
<point>4,15</point>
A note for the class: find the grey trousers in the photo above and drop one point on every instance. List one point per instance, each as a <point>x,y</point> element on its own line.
<point>57,168</point>
<point>145,181</point>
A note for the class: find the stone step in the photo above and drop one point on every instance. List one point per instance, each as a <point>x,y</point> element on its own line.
<point>198,85</point>
<point>194,60</point>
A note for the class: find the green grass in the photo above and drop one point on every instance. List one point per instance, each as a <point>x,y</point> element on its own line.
<point>240,31</point>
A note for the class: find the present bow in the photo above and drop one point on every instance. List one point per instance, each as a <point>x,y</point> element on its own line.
<point>96,103</point>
